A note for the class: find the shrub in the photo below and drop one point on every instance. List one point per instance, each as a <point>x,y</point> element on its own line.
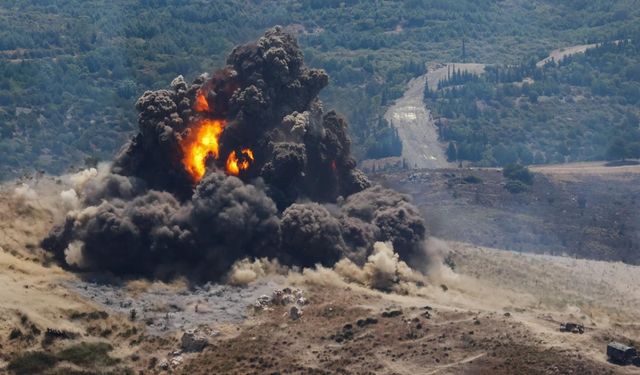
<point>515,186</point>
<point>471,179</point>
<point>15,334</point>
<point>32,363</point>
<point>88,354</point>
<point>519,173</point>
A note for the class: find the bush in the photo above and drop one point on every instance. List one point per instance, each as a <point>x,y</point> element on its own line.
<point>519,173</point>
<point>471,179</point>
<point>32,363</point>
<point>15,334</point>
<point>515,187</point>
<point>88,354</point>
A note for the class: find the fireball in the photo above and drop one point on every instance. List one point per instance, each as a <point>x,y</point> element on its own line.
<point>200,144</point>
<point>201,104</point>
<point>235,165</point>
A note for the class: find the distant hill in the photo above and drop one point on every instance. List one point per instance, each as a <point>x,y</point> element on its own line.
<point>71,70</point>
<point>584,107</point>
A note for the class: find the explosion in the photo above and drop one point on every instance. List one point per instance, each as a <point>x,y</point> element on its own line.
<point>200,144</point>
<point>201,104</point>
<point>242,163</point>
<point>234,166</point>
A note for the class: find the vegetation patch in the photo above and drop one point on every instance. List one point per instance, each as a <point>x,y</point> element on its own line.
<point>472,179</point>
<point>90,356</point>
<point>517,172</point>
<point>584,107</point>
<point>32,363</point>
<point>516,187</point>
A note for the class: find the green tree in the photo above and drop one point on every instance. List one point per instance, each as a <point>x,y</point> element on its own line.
<point>452,152</point>
<point>617,150</point>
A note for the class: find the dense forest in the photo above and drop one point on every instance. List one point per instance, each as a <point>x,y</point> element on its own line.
<point>70,70</point>
<point>585,107</point>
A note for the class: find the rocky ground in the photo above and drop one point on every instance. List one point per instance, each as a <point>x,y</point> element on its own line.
<point>479,311</point>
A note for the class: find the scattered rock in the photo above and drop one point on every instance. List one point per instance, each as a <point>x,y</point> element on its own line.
<point>295,313</point>
<point>281,297</point>
<point>192,342</point>
<point>164,364</point>
<point>176,361</point>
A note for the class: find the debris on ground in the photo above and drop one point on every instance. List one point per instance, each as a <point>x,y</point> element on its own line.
<point>283,297</point>
<point>572,327</point>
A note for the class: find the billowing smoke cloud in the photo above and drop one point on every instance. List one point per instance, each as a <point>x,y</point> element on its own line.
<point>243,163</point>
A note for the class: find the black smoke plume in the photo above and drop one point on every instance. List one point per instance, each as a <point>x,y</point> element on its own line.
<point>300,200</point>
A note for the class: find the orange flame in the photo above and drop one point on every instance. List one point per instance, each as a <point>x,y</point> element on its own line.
<point>200,144</point>
<point>234,166</point>
<point>201,104</point>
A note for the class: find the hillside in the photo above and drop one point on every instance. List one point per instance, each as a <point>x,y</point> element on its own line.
<point>491,314</point>
<point>566,108</point>
<point>580,210</point>
<point>72,70</point>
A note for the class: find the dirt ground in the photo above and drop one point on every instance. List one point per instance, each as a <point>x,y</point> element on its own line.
<point>500,314</point>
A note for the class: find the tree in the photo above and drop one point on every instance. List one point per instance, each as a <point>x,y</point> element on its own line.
<point>452,152</point>
<point>519,173</point>
<point>617,150</point>
<point>633,150</point>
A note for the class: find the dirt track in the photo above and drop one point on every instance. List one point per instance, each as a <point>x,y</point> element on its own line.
<point>587,168</point>
<point>558,54</point>
<point>420,145</point>
<point>416,128</point>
